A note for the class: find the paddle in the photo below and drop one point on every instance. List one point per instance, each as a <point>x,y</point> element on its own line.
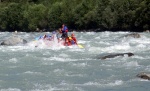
<point>80,46</point>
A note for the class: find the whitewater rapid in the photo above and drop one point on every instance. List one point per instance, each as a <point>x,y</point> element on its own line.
<point>30,68</point>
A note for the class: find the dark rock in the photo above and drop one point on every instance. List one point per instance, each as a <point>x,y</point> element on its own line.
<point>134,35</point>
<point>115,55</point>
<point>13,41</point>
<point>144,75</point>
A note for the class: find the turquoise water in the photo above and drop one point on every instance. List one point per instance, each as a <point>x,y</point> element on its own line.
<point>26,68</point>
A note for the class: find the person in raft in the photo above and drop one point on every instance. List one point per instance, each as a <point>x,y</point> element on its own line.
<point>71,40</point>
<point>74,39</point>
<point>67,42</point>
<point>64,31</point>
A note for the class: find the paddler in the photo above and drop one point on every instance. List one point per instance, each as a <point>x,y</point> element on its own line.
<point>64,31</point>
<point>74,38</point>
<point>67,42</point>
<point>59,35</point>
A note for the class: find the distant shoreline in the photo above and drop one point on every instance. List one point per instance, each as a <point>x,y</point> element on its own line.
<point>83,30</point>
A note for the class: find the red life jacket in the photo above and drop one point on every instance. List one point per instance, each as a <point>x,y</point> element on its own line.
<point>67,42</point>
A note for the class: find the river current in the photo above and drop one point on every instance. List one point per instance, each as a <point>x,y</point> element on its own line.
<point>29,68</point>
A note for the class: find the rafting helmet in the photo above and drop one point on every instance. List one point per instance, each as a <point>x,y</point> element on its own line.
<point>70,38</point>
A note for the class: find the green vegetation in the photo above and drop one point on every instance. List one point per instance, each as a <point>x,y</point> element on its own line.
<point>28,15</point>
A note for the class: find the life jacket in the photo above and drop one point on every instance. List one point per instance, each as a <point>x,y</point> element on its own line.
<point>71,40</point>
<point>67,42</point>
<point>49,37</point>
<point>64,29</point>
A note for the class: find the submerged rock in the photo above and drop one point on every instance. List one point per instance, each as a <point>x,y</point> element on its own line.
<point>13,41</point>
<point>115,55</point>
<point>144,75</point>
<point>134,35</point>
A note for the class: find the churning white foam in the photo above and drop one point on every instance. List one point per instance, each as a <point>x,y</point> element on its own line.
<point>110,84</point>
<point>131,64</point>
<point>13,60</point>
<point>10,89</point>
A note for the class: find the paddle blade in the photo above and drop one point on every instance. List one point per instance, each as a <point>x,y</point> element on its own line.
<point>80,46</point>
